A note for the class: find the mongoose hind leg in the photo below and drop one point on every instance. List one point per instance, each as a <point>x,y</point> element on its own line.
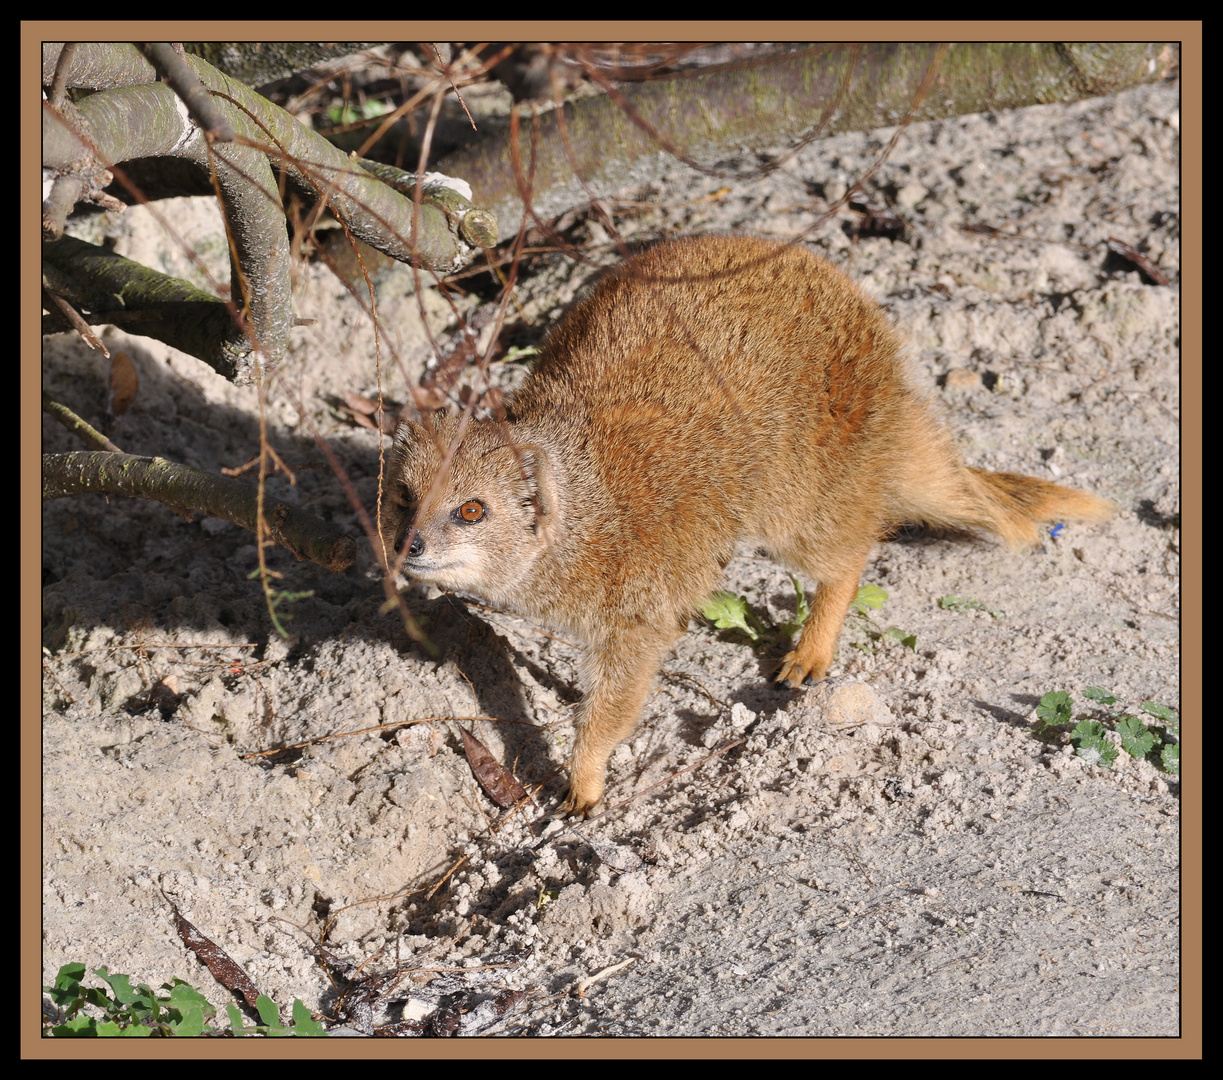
<point>818,641</point>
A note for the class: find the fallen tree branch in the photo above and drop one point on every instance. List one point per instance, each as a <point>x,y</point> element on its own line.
<point>186,490</point>
<point>135,117</point>
<point>708,115</point>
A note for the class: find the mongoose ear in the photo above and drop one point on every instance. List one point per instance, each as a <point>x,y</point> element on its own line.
<point>408,433</point>
<point>542,480</point>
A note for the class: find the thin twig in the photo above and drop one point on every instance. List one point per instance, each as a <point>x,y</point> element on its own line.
<point>666,780</point>
<point>77,426</point>
<point>77,321</point>
<point>379,727</point>
<point>582,985</point>
<point>172,66</point>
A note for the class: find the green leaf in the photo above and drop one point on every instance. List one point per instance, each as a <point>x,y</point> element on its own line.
<point>1091,745</point>
<point>125,993</point>
<point>235,1019</point>
<point>184,996</point>
<point>78,1027</point>
<point>304,1024</point>
<point>1094,693</point>
<point>1055,707</point>
<point>112,1030</point>
<point>1136,739</point>
<point>952,602</point>
<point>191,1024</point>
<point>67,980</point>
<point>801,611</point>
<point>350,113</point>
<point>267,1010</point>
<point>95,995</point>
<point>1170,757</point>
<point>894,633</point>
<point>869,598</point>
<point>729,612</point>
<point>1162,712</point>
<point>1087,729</point>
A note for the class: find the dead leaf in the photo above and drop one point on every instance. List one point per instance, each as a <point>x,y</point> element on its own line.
<point>361,408</point>
<point>877,218</point>
<point>124,384</point>
<point>1137,260</point>
<point>494,777</point>
<point>219,963</point>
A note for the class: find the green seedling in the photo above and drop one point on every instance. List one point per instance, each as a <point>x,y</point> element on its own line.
<point>1091,745</point>
<point>951,602</point>
<point>871,598</point>
<point>801,611</point>
<point>1137,739</point>
<point>1055,708</point>
<point>302,1024</point>
<point>276,597</point>
<point>137,1012</point>
<point>1156,743</point>
<point>127,1011</point>
<point>349,113</point>
<point>730,612</point>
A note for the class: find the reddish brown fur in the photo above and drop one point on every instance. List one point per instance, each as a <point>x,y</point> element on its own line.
<point>708,391</point>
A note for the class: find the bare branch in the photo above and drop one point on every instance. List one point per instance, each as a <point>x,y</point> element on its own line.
<point>65,416</point>
<point>124,293</point>
<point>711,113</point>
<point>184,82</point>
<point>186,490</point>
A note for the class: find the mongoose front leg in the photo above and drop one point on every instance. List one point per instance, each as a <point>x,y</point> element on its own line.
<point>818,641</point>
<point>618,676</point>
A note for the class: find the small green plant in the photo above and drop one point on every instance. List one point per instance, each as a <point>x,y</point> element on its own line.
<point>872,598</point>
<point>350,113</point>
<point>1157,743</point>
<point>730,612</point>
<point>127,1011</point>
<point>137,1012</point>
<point>276,597</point>
<point>951,602</point>
<point>302,1024</point>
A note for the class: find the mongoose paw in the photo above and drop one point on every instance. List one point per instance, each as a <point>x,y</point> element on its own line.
<point>581,800</point>
<point>794,670</point>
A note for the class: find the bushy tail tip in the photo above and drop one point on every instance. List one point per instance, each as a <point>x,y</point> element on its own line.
<point>1016,504</point>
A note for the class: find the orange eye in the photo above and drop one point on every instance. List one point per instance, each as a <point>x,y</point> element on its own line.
<point>470,511</point>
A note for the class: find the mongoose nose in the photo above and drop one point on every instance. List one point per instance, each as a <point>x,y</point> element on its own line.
<point>418,547</point>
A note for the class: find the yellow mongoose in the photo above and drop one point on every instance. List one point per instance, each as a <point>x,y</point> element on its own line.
<point>707,391</point>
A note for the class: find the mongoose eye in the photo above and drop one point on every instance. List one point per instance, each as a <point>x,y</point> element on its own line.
<point>470,511</point>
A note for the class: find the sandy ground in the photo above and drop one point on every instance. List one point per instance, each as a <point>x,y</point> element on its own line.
<point>894,852</point>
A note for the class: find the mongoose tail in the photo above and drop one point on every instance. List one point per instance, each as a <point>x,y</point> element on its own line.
<point>1014,505</point>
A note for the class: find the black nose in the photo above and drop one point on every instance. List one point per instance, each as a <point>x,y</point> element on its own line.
<point>418,543</point>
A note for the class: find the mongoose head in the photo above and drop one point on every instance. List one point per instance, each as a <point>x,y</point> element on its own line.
<point>473,506</point>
